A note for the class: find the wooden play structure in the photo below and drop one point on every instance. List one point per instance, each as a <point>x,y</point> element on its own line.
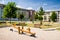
<point>23,30</point>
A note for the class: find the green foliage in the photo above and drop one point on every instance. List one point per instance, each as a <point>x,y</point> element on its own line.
<point>30,19</point>
<point>10,10</point>
<point>53,16</point>
<point>21,16</point>
<point>41,11</point>
<point>40,18</point>
<point>36,16</point>
<point>39,14</point>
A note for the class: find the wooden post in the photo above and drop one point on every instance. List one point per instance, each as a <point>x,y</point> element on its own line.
<point>19,30</point>
<point>22,28</point>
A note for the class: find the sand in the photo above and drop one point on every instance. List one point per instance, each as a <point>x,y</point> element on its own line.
<point>6,34</point>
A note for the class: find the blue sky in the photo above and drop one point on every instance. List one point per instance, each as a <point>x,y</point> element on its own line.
<point>36,4</point>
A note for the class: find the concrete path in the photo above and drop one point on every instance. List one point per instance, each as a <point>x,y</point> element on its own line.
<point>6,34</point>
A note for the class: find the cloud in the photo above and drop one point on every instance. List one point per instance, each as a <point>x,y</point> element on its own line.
<point>19,6</point>
<point>49,10</point>
<point>52,10</point>
<point>29,8</point>
<point>45,4</point>
<point>2,1</point>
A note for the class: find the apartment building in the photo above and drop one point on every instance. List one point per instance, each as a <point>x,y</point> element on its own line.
<point>1,10</point>
<point>27,13</point>
<point>46,16</point>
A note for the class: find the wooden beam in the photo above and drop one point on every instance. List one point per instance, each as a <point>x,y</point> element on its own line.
<point>27,31</point>
<point>19,30</point>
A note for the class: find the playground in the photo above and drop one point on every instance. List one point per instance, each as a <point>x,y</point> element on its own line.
<point>6,34</point>
<point>16,32</point>
<point>29,20</point>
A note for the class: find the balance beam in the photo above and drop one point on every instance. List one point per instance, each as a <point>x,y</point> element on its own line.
<point>14,25</point>
<point>27,31</point>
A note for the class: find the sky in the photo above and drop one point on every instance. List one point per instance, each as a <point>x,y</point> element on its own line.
<point>35,4</point>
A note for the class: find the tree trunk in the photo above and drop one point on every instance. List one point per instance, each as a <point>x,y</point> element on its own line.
<point>22,27</point>
<point>10,20</point>
<point>33,21</point>
<point>41,22</point>
<point>18,19</point>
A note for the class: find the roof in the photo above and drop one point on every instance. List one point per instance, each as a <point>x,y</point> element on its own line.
<point>18,8</point>
<point>2,5</point>
<point>53,10</point>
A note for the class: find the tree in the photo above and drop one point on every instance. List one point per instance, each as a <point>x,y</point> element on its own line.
<point>36,16</point>
<point>40,18</point>
<point>10,10</point>
<point>53,16</point>
<point>21,16</point>
<point>40,13</point>
<point>18,15</point>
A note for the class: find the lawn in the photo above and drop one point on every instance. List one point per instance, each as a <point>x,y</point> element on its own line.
<point>50,25</point>
<point>45,24</point>
<point>31,24</point>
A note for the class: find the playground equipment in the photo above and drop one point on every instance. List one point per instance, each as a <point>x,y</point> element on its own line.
<point>23,30</point>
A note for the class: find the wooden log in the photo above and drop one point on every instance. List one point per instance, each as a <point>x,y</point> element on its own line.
<point>27,31</point>
<point>15,26</point>
<point>22,28</point>
<point>19,30</point>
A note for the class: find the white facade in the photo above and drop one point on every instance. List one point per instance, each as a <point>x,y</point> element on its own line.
<point>27,13</point>
<point>1,11</point>
<point>46,16</point>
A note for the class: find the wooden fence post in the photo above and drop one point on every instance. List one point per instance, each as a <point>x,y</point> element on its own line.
<point>19,30</point>
<point>22,28</point>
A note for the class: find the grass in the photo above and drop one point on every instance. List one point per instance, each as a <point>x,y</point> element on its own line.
<point>45,24</point>
<point>3,25</point>
<point>57,28</point>
<point>30,24</point>
<point>50,25</point>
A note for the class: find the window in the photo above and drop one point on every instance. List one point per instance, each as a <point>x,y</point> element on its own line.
<point>45,18</point>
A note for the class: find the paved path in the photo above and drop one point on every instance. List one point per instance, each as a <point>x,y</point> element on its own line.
<point>6,34</point>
